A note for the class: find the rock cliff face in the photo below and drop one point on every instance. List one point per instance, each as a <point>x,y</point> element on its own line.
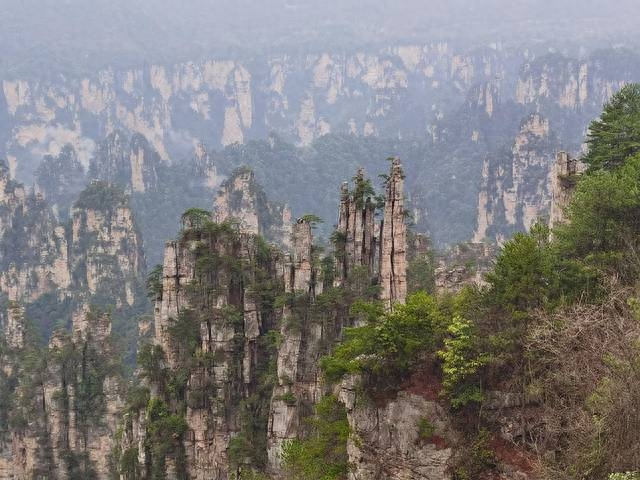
<point>463,265</point>
<point>105,246</point>
<point>60,179</point>
<point>387,440</point>
<point>393,249</point>
<point>133,163</point>
<point>563,179</point>
<point>55,265</point>
<point>300,97</point>
<point>460,102</point>
<point>64,401</point>
<point>379,249</point>
<point>356,238</point>
<point>34,259</point>
<point>298,384</point>
<point>241,199</point>
<point>516,187</point>
<point>210,294</point>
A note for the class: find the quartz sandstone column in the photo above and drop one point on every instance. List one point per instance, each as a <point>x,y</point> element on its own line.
<point>393,262</point>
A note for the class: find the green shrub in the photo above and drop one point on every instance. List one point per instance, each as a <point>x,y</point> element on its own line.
<point>426,429</point>
<point>613,137</point>
<point>323,454</point>
<point>462,359</point>
<point>389,344</point>
<point>288,398</point>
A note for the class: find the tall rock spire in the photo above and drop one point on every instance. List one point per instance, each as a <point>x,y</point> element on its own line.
<point>355,240</point>
<point>563,179</point>
<point>393,248</point>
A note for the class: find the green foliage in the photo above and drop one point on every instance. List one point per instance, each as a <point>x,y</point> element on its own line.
<point>363,190</point>
<point>425,429</point>
<point>288,398</point>
<point>154,282</point>
<point>151,360</point>
<point>523,276</point>
<point>389,344</point>
<point>603,230</point>
<point>625,476</point>
<point>101,196</point>
<point>129,467</point>
<point>478,459</point>
<point>61,178</point>
<point>421,275</point>
<point>138,398</point>
<point>615,136</point>
<point>461,362</point>
<point>195,218</point>
<point>323,454</point>
<point>164,437</point>
<point>185,334</point>
<point>311,219</point>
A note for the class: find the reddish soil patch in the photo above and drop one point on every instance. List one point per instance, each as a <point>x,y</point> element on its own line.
<point>438,441</point>
<point>511,454</point>
<point>425,382</point>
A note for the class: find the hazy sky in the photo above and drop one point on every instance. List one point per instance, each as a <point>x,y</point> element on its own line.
<point>77,34</point>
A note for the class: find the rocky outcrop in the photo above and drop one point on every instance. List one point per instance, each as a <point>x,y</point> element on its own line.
<point>215,283</point>
<point>393,248</point>
<point>516,188</point>
<point>356,239</point>
<point>286,409</point>
<point>362,244</point>
<point>53,266</point>
<point>243,200</point>
<point>65,403</point>
<point>205,166</point>
<point>60,179</point>
<point>132,163</point>
<point>33,246</point>
<point>106,248</point>
<point>299,97</point>
<point>408,438</point>
<point>563,179</point>
<point>408,90</point>
<point>463,265</point>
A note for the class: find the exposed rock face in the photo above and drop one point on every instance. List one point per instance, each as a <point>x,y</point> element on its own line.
<point>234,100</point>
<point>13,326</point>
<point>356,235</point>
<point>60,179</point>
<point>410,90</point>
<point>563,179</point>
<point>130,163</point>
<point>393,262</point>
<point>54,266</point>
<point>106,249</point>
<point>65,407</point>
<point>298,383</point>
<point>205,166</point>
<point>211,279</point>
<point>386,441</point>
<point>463,265</point>
<point>515,188</point>
<point>241,199</point>
<point>380,249</point>
<point>33,247</point>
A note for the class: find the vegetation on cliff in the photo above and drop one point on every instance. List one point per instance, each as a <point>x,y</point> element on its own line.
<point>556,325</point>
